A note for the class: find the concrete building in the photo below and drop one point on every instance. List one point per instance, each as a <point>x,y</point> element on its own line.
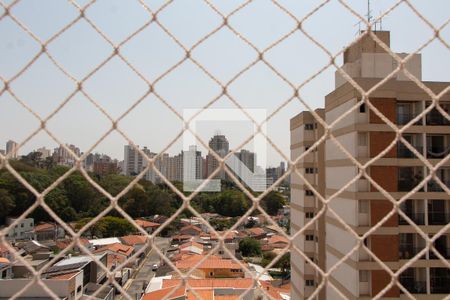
<point>21,231</point>
<point>45,153</point>
<point>362,205</point>
<point>11,149</point>
<point>132,161</point>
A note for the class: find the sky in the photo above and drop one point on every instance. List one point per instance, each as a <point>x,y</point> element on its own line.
<point>115,87</point>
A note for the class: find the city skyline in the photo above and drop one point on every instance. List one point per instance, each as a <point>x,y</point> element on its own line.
<point>43,87</point>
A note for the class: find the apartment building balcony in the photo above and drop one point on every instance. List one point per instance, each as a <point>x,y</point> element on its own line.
<point>416,217</point>
<point>435,118</point>
<point>405,118</point>
<point>439,281</point>
<point>433,186</point>
<point>409,178</point>
<point>438,218</point>
<point>409,251</point>
<point>404,152</point>
<point>413,286</point>
<point>442,247</point>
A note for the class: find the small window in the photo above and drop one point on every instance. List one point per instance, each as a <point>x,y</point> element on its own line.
<point>363,206</point>
<point>309,126</point>
<point>363,276</point>
<point>309,237</point>
<point>309,215</point>
<point>22,225</point>
<point>306,148</point>
<point>309,193</point>
<point>362,108</point>
<point>309,282</point>
<point>310,170</point>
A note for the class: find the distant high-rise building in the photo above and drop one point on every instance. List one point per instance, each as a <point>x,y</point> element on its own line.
<point>192,164</point>
<point>362,205</point>
<point>220,145</point>
<point>45,153</point>
<point>62,156</point>
<point>132,161</point>
<point>11,149</point>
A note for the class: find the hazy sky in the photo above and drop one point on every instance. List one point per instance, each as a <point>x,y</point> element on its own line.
<point>115,87</point>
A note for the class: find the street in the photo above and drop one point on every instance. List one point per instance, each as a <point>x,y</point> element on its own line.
<point>144,273</point>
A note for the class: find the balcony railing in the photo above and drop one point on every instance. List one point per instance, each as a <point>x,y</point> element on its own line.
<point>413,286</point>
<point>433,186</point>
<point>409,251</point>
<point>438,218</point>
<point>404,118</point>
<point>437,152</point>
<point>403,152</point>
<point>435,118</point>
<point>418,218</point>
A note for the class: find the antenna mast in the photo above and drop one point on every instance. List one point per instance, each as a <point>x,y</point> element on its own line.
<point>369,16</point>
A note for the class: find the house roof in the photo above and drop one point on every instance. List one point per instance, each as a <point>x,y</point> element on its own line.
<point>65,243</point>
<point>276,293</point>
<point>146,224</point>
<point>187,227</point>
<point>278,239</point>
<point>191,244</point>
<point>44,227</point>
<point>212,262</point>
<point>214,283</point>
<point>256,231</point>
<point>229,236</point>
<point>134,239</point>
<point>63,276</point>
<point>117,248</point>
<point>105,241</point>
<point>181,237</point>
<point>162,294</point>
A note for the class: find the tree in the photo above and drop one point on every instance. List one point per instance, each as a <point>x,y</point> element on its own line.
<point>231,203</point>
<point>6,203</point>
<point>108,226</point>
<point>272,202</point>
<point>250,247</point>
<point>284,263</point>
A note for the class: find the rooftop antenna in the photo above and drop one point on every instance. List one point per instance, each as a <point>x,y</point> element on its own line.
<point>369,15</point>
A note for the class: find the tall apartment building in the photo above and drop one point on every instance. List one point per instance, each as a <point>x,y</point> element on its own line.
<point>11,149</point>
<point>219,144</point>
<point>362,205</point>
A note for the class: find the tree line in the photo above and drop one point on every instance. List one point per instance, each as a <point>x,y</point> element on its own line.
<point>75,198</point>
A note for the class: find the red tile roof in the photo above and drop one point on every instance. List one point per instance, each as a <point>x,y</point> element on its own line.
<point>117,248</point>
<point>212,262</point>
<point>275,292</point>
<point>187,227</point>
<point>145,224</point>
<point>256,231</point>
<point>161,294</point>
<point>238,283</point>
<point>278,239</point>
<point>132,240</point>
<point>44,227</point>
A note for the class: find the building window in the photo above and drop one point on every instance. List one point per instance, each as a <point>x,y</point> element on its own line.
<point>309,237</point>
<point>309,215</point>
<point>363,276</point>
<point>309,193</point>
<point>363,206</point>
<point>362,108</point>
<point>309,282</point>
<point>310,170</point>
<point>309,126</point>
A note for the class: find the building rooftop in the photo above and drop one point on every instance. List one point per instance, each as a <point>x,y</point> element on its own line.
<point>105,241</point>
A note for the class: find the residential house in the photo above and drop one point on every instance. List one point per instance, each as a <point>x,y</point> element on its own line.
<point>212,267</point>
<point>48,231</point>
<point>148,226</point>
<point>190,230</point>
